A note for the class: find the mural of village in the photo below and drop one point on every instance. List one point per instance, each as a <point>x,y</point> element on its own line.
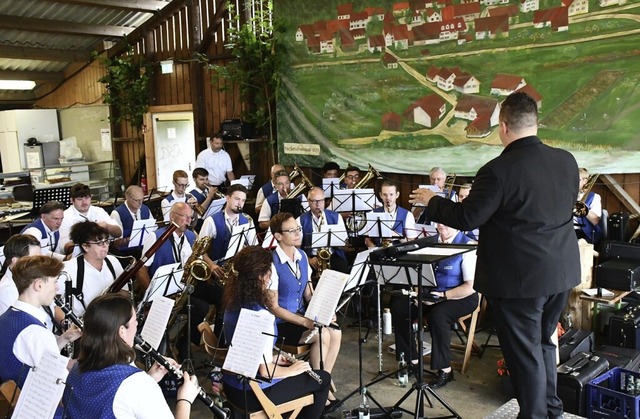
<point>422,76</point>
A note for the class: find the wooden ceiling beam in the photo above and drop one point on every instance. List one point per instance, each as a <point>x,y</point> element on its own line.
<point>209,34</point>
<point>37,76</point>
<point>59,26</point>
<point>44,54</point>
<point>9,100</point>
<point>145,6</point>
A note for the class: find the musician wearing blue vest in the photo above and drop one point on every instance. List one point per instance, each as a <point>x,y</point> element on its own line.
<point>179,194</point>
<point>463,193</point>
<point>398,219</point>
<point>312,222</point>
<point>81,210</point>
<point>456,298</point>
<point>125,214</point>
<point>272,204</point>
<point>90,273</point>
<point>47,228</point>
<point>588,226</point>
<point>291,290</point>
<point>202,191</point>
<point>248,289</point>
<point>25,337</point>
<point>437,177</point>
<point>177,249</point>
<point>220,225</point>
<point>105,383</point>
<point>268,188</point>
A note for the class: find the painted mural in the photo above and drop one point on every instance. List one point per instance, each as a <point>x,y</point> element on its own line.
<point>408,85</point>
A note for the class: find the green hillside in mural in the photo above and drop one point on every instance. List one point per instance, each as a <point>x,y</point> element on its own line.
<point>422,75</point>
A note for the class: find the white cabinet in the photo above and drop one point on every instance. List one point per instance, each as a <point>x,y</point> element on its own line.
<point>17,126</point>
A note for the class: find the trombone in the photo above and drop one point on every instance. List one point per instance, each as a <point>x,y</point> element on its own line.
<point>581,209</point>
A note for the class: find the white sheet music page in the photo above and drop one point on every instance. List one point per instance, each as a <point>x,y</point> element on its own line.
<point>326,296</point>
<point>140,230</point>
<point>43,388</point>
<point>156,323</point>
<point>253,330</point>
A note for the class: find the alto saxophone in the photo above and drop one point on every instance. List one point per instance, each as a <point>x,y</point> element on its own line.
<point>195,268</point>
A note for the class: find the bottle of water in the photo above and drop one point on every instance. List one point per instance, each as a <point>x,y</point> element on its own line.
<point>386,321</point>
<point>363,408</point>
<point>403,374</point>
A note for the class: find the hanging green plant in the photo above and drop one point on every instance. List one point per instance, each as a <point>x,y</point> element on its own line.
<point>127,88</point>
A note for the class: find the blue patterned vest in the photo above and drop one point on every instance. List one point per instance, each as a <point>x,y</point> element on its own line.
<point>306,221</point>
<point>91,394</point>
<point>12,323</point>
<point>449,271</point>
<point>593,232</point>
<point>40,226</point>
<point>218,248</point>
<point>164,255</point>
<point>127,219</point>
<point>290,289</point>
<point>398,226</point>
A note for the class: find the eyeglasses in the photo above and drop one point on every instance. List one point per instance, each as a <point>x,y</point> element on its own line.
<point>101,243</point>
<point>316,201</point>
<point>183,215</point>
<point>296,230</point>
<point>139,201</point>
<point>352,176</point>
<point>182,185</point>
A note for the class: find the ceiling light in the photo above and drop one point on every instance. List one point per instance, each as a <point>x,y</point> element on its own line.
<point>17,84</point>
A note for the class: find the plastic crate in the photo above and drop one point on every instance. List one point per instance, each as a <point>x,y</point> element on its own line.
<point>607,398</point>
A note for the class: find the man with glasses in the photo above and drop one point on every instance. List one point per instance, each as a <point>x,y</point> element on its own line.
<point>89,274</point>
<point>272,204</point>
<point>351,177</point>
<point>180,185</point>
<point>47,228</point>
<point>125,214</point>
<point>81,210</point>
<point>291,289</point>
<point>268,188</point>
<point>313,221</point>
<point>22,327</point>
<point>216,161</point>
<point>178,249</point>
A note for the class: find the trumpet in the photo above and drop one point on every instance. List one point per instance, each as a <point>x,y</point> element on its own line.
<point>581,209</point>
<point>145,347</point>
<point>196,207</point>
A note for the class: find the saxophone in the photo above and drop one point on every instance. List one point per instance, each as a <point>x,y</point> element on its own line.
<point>195,268</point>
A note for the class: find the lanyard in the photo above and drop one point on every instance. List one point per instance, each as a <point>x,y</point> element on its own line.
<point>177,249</point>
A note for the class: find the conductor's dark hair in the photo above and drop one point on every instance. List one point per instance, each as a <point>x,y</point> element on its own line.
<point>519,111</point>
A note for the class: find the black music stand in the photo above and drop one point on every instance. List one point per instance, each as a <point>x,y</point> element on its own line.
<point>293,206</point>
<point>418,270</point>
<point>238,239</point>
<point>382,229</point>
<point>44,195</point>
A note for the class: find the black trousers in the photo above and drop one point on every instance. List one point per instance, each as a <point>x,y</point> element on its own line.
<point>524,327</point>
<point>204,295</point>
<point>439,317</point>
<point>288,389</point>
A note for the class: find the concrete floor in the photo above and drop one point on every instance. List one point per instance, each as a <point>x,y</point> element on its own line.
<point>475,394</point>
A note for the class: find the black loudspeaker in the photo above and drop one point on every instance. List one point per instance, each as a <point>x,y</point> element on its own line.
<point>235,129</point>
<point>618,226</point>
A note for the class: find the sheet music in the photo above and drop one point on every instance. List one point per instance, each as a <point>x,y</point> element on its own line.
<point>325,298</point>
<point>330,185</point>
<point>237,240</point>
<point>387,274</point>
<point>253,330</point>
<point>343,200</point>
<point>269,241</point>
<point>250,178</point>
<point>43,388</point>
<point>425,230</point>
<point>437,251</point>
<point>321,238</point>
<point>214,206</point>
<point>359,270</point>
<point>140,230</point>
<point>166,281</point>
<point>379,226</point>
<point>157,319</point>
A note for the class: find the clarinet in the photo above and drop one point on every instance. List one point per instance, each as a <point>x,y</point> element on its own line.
<point>177,374</point>
<point>68,313</point>
<point>292,359</point>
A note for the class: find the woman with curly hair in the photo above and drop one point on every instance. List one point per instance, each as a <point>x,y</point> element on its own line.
<point>248,288</point>
<point>105,383</point>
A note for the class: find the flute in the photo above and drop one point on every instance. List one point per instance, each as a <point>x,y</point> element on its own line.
<point>177,374</point>
<point>292,359</point>
<point>68,313</point>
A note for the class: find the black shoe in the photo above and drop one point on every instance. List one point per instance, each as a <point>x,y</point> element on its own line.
<point>332,406</point>
<point>442,378</point>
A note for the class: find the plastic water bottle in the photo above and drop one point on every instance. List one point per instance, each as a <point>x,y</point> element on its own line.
<point>363,409</point>
<point>403,374</point>
<point>386,321</point>
<point>216,384</point>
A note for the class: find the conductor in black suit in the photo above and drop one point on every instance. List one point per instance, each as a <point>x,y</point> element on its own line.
<point>528,258</point>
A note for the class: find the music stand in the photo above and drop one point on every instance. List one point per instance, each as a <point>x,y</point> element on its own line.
<point>44,195</point>
<point>269,242</point>
<point>166,281</point>
<point>293,206</point>
<point>416,269</point>
<point>215,206</point>
<point>329,186</point>
<point>140,230</point>
<point>328,237</point>
<point>378,228</point>
<point>238,239</point>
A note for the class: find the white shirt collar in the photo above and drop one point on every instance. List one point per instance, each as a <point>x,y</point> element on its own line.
<point>285,258</point>
<point>36,312</point>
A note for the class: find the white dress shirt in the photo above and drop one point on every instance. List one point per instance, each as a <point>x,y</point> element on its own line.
<point>217,164</point>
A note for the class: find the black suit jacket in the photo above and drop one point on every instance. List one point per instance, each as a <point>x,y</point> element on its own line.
<point>522,201</point>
